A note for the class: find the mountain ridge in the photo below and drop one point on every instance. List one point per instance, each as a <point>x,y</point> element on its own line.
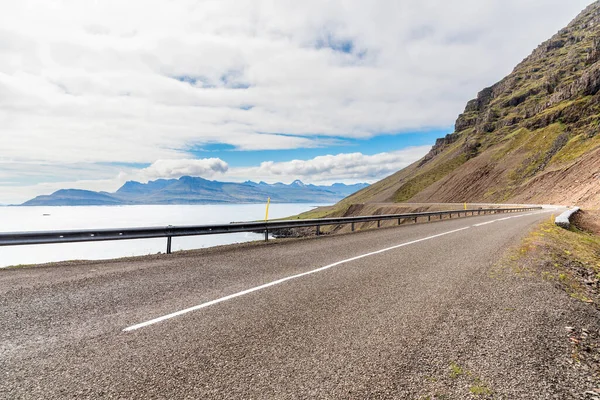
<point>197,190</point>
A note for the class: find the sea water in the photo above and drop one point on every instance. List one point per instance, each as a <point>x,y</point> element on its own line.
<point>19,219</point>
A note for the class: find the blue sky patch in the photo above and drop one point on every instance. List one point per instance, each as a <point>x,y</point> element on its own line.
<point>335,44</point>
<point>374,145</point>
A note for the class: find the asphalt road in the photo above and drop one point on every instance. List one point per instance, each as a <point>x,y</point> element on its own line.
<point>377,314</point>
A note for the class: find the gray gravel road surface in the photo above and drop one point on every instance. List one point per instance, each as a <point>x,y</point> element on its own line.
<point>429,318</point>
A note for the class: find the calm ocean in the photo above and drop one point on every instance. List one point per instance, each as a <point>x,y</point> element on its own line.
<point>15,219</point>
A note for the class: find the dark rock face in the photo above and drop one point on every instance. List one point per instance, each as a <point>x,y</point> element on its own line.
<point>470,117</point>
<point>558,82</point>
<point>483,99</point>
<point>465,121</point>
<point>439,146</point>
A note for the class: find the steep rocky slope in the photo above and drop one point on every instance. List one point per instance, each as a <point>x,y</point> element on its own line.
<point>532,137</point>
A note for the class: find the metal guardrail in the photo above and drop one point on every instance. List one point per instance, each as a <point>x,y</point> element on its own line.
<point>96,235</point>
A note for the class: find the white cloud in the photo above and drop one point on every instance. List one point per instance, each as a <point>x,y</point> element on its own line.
<point>137,81</point>
<point>169,169</point>
<point>348,167</point>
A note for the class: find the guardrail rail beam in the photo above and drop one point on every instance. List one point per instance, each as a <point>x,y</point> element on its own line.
<point>95,235</point>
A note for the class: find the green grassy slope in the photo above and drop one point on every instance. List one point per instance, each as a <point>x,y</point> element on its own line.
<point>530,137</point>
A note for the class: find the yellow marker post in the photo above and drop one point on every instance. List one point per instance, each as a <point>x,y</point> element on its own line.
<point>267,212</point>
<point>465,206</point>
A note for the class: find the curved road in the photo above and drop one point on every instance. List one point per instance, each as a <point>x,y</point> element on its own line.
<point>391,313</point>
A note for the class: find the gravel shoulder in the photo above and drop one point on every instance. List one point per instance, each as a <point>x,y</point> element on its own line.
<point>569,260</point>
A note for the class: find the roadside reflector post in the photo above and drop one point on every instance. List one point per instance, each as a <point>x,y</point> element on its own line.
<point>266,219</point>
<point>267,211</point>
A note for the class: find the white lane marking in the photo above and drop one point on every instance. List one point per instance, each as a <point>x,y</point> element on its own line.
<point>505,218</point>
<point>485,223</point>
<point>279,281</point>
<point>521,215</point>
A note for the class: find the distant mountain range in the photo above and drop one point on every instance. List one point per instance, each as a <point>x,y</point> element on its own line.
<point>196,190</point>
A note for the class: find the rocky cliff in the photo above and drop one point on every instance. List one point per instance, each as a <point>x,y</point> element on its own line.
<point>532,137</point>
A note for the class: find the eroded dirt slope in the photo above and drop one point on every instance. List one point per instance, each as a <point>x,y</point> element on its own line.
<point>532,137</point>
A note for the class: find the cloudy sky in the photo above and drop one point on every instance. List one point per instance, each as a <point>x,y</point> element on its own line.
<point>94,93</point>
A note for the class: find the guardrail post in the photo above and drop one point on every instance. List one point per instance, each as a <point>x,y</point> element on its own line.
<point>428,218</point>
<point>352,227</point>
<point>266,234</point>
<point>318,230</point>
<point>168,240</point>
<point>399,219</point>
<point>416,220</point>
<point>378,223</point>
